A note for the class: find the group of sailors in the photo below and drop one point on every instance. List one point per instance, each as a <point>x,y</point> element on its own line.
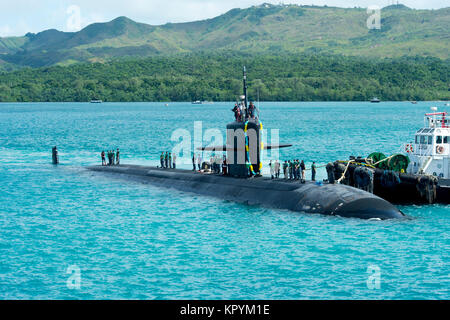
<point>217,163</point>
<point>292,170</point>
<point>167,160</point>
<point>242,113</point>
<point>113,157</point>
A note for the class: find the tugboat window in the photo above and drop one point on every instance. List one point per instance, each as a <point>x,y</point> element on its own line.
<point>422,139</point>
<point>439,139</point>
<point>446,139</point>
<point>430,139</point>
<point>417,139</point>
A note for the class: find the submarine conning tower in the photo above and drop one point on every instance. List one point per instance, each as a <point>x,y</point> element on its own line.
<point>244,148</point>
<point>244,143</point>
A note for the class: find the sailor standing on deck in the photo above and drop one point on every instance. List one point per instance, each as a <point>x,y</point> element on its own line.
<point>236,111</point>
<point>170,160</point>
<point>285,168</point>
<point>241,112</point>
<point>313,171</point>
<point>303,168</point>
<point>193,161</point>
<point>224,166</point>
<point>251,110</point>
<point>166,160</point>
<point>199,162</point>
<point>118,157</point>
<point>277,169</point>
<point>218,162</point>
<point>294,169</point>
<point>174,161</point>
<point>161,159</point>
<point>103,158</point>
<point>290,164</point>
<point>271,166</point>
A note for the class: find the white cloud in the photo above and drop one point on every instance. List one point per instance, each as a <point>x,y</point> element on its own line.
<point>5,30</point>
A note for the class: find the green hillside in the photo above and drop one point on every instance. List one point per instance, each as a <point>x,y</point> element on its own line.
<point>260,29</point>
<point>189,77</point>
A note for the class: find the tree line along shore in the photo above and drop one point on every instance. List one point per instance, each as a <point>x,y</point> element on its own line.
<point>217,77</point>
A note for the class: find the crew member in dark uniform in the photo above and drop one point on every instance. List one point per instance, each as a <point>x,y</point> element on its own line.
<point>251,110</point>
<point>236,111</point>
<point>313,171</point>
<point>302,168</point>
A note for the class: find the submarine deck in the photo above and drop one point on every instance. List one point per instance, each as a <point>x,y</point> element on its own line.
<point>184,174</point>
<point>328,199</point>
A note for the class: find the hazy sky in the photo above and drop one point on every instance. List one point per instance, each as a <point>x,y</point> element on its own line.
<point>18,17</point>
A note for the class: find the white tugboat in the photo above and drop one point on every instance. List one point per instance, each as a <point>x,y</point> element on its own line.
<point>421,175</point>
<point>430,154</point>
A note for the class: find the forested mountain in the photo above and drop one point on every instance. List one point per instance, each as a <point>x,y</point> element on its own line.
<point>268,29</point>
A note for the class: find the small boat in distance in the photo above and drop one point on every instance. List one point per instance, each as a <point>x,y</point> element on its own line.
<point>414,102</point>
<point>375,100</point>
<point>197,102</point>
<point>96,101</point>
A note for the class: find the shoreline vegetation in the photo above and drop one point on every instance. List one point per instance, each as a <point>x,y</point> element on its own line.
<point>217,77</point>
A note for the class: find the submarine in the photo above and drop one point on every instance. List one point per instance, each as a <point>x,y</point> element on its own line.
<point>244,183</point>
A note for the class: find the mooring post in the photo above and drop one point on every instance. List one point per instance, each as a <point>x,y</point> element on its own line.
<point>55,158</point>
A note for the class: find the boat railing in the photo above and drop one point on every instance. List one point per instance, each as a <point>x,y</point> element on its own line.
<point>437,120</point>
<point>422,150</point>
<point>425,165</point>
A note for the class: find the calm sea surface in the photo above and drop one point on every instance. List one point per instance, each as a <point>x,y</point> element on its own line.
<point>134,241</point>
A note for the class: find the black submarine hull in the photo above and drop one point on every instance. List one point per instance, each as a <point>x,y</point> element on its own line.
<point>326,199</point>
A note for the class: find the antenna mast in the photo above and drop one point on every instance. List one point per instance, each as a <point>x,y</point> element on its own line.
<point>245,88</point>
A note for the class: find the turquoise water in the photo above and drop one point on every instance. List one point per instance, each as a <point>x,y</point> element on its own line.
<point>135,241</point>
